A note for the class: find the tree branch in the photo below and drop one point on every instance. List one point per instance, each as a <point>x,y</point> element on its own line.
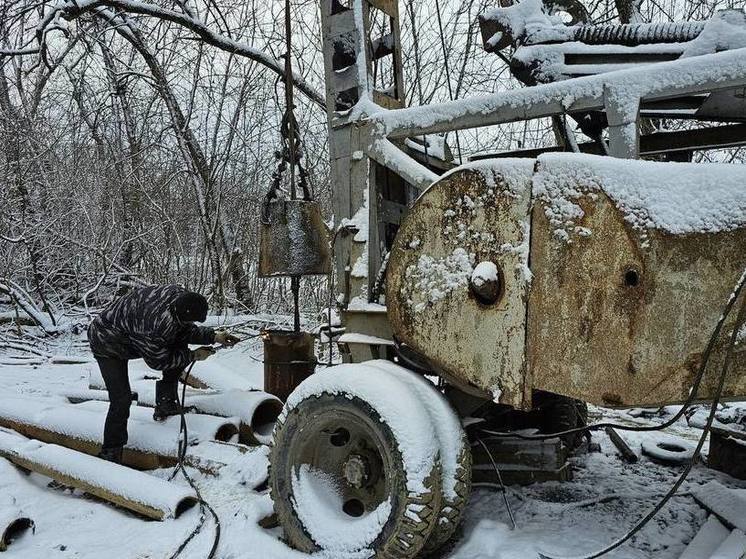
<point>73,9</point>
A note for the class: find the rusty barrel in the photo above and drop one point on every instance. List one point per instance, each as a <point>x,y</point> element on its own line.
<point>289,359</point>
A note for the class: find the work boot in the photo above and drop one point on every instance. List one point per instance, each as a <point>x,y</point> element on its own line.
<point>113,454</point>
<point>166,400</point>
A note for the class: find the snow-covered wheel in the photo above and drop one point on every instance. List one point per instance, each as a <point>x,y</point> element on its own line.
<point>354,466</point>
<point>453,505</point>
<point>455,452</point>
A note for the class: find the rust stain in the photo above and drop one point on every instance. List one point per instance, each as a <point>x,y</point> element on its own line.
<point>617,316</point>
<point>611,399</point>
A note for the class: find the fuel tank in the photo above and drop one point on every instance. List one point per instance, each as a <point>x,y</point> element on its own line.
<point>592,277</point>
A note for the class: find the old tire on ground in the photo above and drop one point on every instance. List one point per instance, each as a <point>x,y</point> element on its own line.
<point>339,481</point>
<point>455,452</point>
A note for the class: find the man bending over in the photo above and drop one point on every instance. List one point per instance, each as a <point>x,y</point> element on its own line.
<point>155,324</point>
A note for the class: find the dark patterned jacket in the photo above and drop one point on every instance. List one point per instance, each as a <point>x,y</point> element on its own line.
<point>140,325</point>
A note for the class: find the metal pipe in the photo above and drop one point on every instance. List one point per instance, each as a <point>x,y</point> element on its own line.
<point>257,410</point>
<point>151,445</point>
<point>687,76</point>
<point>13,523</point>
<point>385,153</point>
<point>135,491</point>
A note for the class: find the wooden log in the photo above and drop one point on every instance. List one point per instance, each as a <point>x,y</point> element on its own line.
<point>136,491</point>
<point>629,455</point>
<point>151,445</point>
<point>728,505</point>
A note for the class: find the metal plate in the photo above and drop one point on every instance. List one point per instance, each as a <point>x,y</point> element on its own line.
<point>295,242</point>
<point>617,319</point>
<point>483,210</point>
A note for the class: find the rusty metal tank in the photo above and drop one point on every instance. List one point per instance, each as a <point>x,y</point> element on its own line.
<point>596,278</point>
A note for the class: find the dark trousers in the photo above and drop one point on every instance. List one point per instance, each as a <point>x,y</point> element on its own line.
<point>114,372</point>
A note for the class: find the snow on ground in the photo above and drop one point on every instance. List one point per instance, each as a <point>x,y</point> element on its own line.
<point>600,504</point>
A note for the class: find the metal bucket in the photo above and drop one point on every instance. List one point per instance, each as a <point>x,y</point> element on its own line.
<point>289,359</point>
<point>294,240</point>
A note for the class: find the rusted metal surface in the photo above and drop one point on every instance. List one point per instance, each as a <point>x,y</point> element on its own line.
<point>294,240</point>
<point>289,359</point>
<point>617,317</point>
<point>474,215</point>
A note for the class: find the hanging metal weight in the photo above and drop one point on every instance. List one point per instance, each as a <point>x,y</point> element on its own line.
<point>294,240</point>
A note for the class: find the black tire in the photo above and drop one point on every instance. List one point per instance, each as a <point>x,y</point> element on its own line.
<point>455,452</point>
<point>412,514</point>
<point>452,509</point>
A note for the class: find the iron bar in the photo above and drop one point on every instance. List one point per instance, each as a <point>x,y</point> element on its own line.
<point>724,70</point>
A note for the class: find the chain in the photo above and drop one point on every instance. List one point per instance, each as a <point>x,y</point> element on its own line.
<point>291,152</point>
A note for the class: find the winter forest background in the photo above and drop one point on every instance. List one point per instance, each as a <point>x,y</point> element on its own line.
<point>133,152</point>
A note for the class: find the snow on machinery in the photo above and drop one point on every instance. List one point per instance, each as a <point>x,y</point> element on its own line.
<point>592,278</point>
<point>545,43</point>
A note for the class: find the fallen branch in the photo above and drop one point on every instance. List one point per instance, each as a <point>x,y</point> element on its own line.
<point>23,299</point>
<point>20,345</point>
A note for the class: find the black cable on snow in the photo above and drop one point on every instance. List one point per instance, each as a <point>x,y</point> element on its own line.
<point>500,480</point>
<point>203,505</point>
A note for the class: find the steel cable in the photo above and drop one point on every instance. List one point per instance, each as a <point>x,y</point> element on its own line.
<point>204,505</point>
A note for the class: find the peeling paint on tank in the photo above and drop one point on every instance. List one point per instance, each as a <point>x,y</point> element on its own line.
<point>472,215</point>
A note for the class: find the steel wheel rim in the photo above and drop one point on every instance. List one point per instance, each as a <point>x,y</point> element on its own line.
<point>349,450</point>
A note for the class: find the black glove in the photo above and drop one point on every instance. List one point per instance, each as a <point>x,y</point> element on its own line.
<point>202,353</point>
<point>224,338</point>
